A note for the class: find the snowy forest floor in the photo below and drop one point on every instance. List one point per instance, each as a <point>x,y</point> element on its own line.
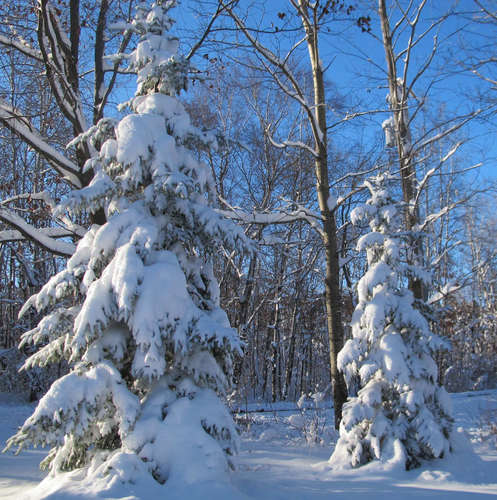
<point>284,455</point>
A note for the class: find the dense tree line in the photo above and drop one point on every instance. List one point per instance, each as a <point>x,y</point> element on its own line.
<point>267,91</point>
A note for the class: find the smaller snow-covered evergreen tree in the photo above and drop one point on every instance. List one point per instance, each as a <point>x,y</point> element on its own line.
<point>136,310</point>
<point>396,412</point>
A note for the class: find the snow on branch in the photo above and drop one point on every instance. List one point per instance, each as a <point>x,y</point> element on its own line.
<point>21,46</point>
<point>278,217</point>
<point>42,196</point>
<point>359,173</point>
<point>67,229</point>
<point>291,144</point>
<point>15,122</point>
<point>266,218</point>
<point>62,248</point>
<point>10,235</point>
<point>448,289</point>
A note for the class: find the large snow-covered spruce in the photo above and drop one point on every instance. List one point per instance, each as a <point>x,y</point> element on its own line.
<point>397,413</point>
<point>136,310</point>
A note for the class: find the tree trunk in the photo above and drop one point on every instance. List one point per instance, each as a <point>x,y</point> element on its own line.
<point>332,280</point>
<point>398,104</point>
<point>291,349</point>
<point>241,320</point>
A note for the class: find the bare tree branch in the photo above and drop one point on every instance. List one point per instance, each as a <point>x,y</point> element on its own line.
<point>11,118</point>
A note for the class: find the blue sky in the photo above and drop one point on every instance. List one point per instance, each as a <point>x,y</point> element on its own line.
<point>356,64</point>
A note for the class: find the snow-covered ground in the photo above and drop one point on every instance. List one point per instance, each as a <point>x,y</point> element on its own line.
<point>282,458</point>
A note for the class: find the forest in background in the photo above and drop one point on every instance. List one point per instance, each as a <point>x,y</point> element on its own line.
<point>256,87</point>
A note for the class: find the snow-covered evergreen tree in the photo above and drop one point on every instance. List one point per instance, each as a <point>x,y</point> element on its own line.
<point>136,310</point>
<point>396,412</point>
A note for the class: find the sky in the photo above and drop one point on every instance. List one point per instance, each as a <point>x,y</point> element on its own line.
<point>356,64</point>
